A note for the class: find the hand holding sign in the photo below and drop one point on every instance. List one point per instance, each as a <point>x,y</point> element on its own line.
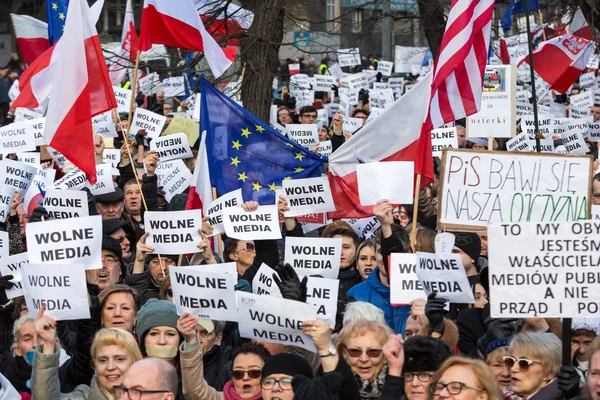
<point>289,284</point>
<point>151,160</point>
<point>320,333</point>
<point>186,325</point>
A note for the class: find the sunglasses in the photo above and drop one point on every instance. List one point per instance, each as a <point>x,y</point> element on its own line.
<point>371,353</point>
<point>249,247</point>
<point>239,374</point>
<point>524,363</point>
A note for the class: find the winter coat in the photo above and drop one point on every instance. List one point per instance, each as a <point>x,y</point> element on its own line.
<point>348,279</point>
<point>214,363</point>
<point>192,374</point>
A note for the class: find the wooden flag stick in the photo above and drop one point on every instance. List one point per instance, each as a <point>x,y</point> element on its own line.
<point>413,233</point>
<point>490,143</point>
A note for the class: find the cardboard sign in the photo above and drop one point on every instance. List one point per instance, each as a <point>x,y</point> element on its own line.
<point>66,241</point>
<point>260,224</point>
<point>323,294</point>
<point>15,138</point>
<point>16,174</point>
<point>348,57</point>
<point>180,124</point>
<point>215,209</point>
<point>6,195</point>
<point>4,244</point>
<point>123,97</point>
<point>444,275</point>
<point>583,100</point>
<point>173,232</point>
<point>207,295</point>
<point>482,187</point>
<point>263,282</point>
<point>174,86</point>
<point>275,320</point>
<point>61,287</point>
<point>174,177</point>
<point>521,142</point>
<point>29,158</point>
<point>73,180</point>
<point>306,135</point>
<point>374,182</point>
<point>351,125</point>
<point>443,138</point>
<point>325,148</point>
<point>314,256</point>
<point>13,266</point>
<point>171,147</point>
<point>323,83</point>
<point>150,122</point>
<point>104,183</point>
<point>550,265</point>
<point>62,204</point>
<point>385,67</point>
<point>364,227</point>
<point>308,196</point>
<point>104,126</point>
<point>149,84</point>
<point>405,286</point>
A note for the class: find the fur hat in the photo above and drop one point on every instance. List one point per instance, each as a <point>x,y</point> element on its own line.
<point>288,364</point>
<point>424,353</point>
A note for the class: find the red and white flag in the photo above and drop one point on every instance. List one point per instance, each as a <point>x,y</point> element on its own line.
<point>81,90</point>
<point>200,194</point>
<point>395,135</point>
<point>561,60</point>
<point>32,36</point>
<point>177,24</point>
<point>224,19</point>
<point>579,26</point>
<point>130,44</point>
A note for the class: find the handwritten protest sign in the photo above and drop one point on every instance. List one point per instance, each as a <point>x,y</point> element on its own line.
<point>260,224</point>
<point>62,204</point>
<point>30,158</point>
<point>348,57</point>
<point>275,320</point>
<point>174,177</point>
<point>173,232</point>
<point>306,135</point>
<point>215,209</point>
<point>181,124</point>
<point>314,256</point>
<point>521,142</point>
<point>13,266</point>
<point>207,295</point>
<point>123,97</point>
<point>61,288</point>
<point>148,121</point>
<point>6,195</point>
<point>15,138</point>
<point>16,174</point>
<point>149,84</point>
<point>104,183</point>
<point>307,196</point>
<point>3,244</point>
<point>551,265</point>
<point>174,86</point>
<point>171,147</point>
<point>66,241</point>
<point>374,183</point>
<point>442,138</point>
<point>405,286</point>
<point>264,284</point>
<point>482,187</point>
<point>445,275</point>
<point>323,294</point>
<point>104,126</point>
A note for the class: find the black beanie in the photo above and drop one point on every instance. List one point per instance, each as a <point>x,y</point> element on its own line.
<point>288,364</point>
<point>469,242</point>
<point>424,353</point>
<point>113,245</point>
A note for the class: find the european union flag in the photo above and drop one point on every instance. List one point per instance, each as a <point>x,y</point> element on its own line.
<point>244,152</point>
<point>517,7</point>
<point>57,14</point>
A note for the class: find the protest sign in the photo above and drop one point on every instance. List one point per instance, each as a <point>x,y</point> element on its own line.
<point>104,126</point>
<point>224,268</point>
<point>374,113</point>
<point>374,182</point>
<point>323,294</point>
<point>174,86</point>
<point>397,85</point>
<point>364,227</point>
<point>204,294</point>
<point>275,320</point>
<point>66,241</point>
<point>583,100</point>
<point>405,286</point>
<point>180,124</point>
<point>573,138</point>
<point>481,187</point>
<point>593,131</point>
<point>29,114</point>
<point>171,147</point>
<point>336,71</point>
<point>545,123</point>
<point>6,195</point>
<point>323,83</point>
<point>381,86</point>
<point>16,138</point>
<point>351,125</point>
<point>256,225</point>
<point>37,127</point>
<point>195,115</point>
<point>588,82</point>
<point>174,177</point>
<point>215,209</point>
<point>62,288</point>
<point>546,145</point>
<point>579,112</point>
<point>521,142</point>
<point>445,275</point>
<point>13,266</point>
<point>75,179</point>
<point>348,57</point>
<point>442,138</point>
<point>14,91</point>
<point>29,158</point>
<point>16,174</point>
<point>149,84</point>
<point>263,282</point>
<point>325,148</point>
<point>314,256</point>
<point>112,157</point>
<point>523,108</point>
<point>62,204</point>
<point>306,135</point>
<point>57,156</point>
<point>173,232</point>
<point>558,110</point>
<point>355,82</point>
<point>308,196</point>
<point>551,265</point>
<point>332,108</point>
<point>104,183</point>
<point>382,98</point>
<point>3,244</point>
<point>123,97</point>
<point>42,181</point>
<point>385,67</point>
<point>151,123</point>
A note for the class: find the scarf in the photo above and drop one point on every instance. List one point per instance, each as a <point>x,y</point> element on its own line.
<point>372,390</point>
<point>18,373</point>
<point>230,394</point>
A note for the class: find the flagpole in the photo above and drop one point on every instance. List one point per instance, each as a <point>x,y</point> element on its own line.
<point>532,70</point>
<point>542,24</point>
<point>413,232</point>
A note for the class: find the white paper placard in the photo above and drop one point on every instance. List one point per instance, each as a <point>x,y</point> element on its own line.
<point>325,148</point>
<point>174,86</point>
<point>445,275</point>
<point>385,67</point>
<point>593,131</point>
<point>323,294</point>
<point>149,84</point>
<point>4,251</point>
<point>171,147</point>
<point>573,140</point>
<point>30,158</point>
<point>123,97</point>
<point>12,266</point>
<point>442,138</point>
<point>14,91</point>
<point>308,196</point>
<point>579,112</point>
<point>256,225</point>
<point>263,282</point>
<point>42,181</point>
<point>323,83</point>
<point>224,268</point>
<point>545,123</point>
<point>37,126</point>
<point>405,286</point>
<point>364,227</point>
<point>104,126</point>
<point>112,157</point>
<point>57,156</point>
<point>351,125</point>
<point>15,138</point>
<point>306,135</point>
<point>588,81</point>
<point>16,174</point>
<point>521,142</point>
<point>174,177</point>
<point>104,182</point>
<point>72,180</point>
<point>348,57</point>
<point>151,122</point>
<point>314,256</point>
<point>6,195</point>
<point>29,114</point>
<point>173,232</point>
<point>374,182</point>
<point>583,100</point>
<point>61,204</point>
<point>215,209</point>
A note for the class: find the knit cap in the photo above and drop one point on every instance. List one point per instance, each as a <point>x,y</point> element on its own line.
<point>288,364</point>
<point>155,313</point>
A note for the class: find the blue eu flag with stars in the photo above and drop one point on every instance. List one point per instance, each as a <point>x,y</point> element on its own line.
<point>244,152</point>
<point>57,15</point>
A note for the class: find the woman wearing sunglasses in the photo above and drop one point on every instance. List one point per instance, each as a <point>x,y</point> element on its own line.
<point>533,361</point>
<point>463,379</point>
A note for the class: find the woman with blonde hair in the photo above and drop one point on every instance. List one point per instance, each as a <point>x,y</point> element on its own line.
<point>464,379</point>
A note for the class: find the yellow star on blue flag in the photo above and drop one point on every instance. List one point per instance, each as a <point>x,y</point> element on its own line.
<point>57,11</point>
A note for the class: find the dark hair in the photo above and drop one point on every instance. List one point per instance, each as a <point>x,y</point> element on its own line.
<point>360,111</point>
<point>307,109</point>
<point>346,232</point>
<point>229,247</point>
<point>597,176</point>
<point>250,348</point>
<point>130,182</point>
<point>320,95</point>
<point>596,105</point>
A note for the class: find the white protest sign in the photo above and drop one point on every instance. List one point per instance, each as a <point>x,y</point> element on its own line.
<point>558,110</point>
<point>322,117</point>
<point>348,57</point>
<point>374,182</point>
<point>16,138</point>
<point>263,282</point>
<point>545,123</point>
<point>148,121</point>
<point>306,135</point>
<point>523,108</point>
<point>29,158</point>
<point>323,83</point>
<point>215,209</point>
<point>546,145</point>
<point>172,147</point>
<point>308,196</point>
<point>72,180</point>
<point>588,81</point>
<point>573,138</point>
<point>355,82</point>
<point>323,294</point>
<point>16,174</point>
<point>385,67</point>
<point>66,241</point>
<point>37,126</point>
<point>481,187</point>
<point>62,204</point>
<point>57,156</point>
<point>314,256</point>
<point>123,97</point>
<point>374,113</point>
<point>325,148</point>
<point>351,125</point>
<point>584,100</point>
<point>112,157</point>
<point>382,98</point>
<point>593,131</point>
<point>29,114</point>
<point>42,181</point>
<point>13,266</point>
<point>256,225</point>
<point>444,275</point>
<point>196,108</point>
<point>275,320</point>
<point>14,91</point>
<point>204,294</point>
<point>62,288</point>
<point>579,112</point>
<point>6,195</point>
<point>104,182</point>
<point>442,138</point>
<point>173,232</point>
<point>336,71</point>
<point>405,286</point>
<point>332,108</point>
<point>104,126</point>
<point>521,142</point>
<point>3,244</point>
<point>174,177</point>
<point>364,227</point>
<point>224,268</point>
<point>397,85</point>
<point>149,84</point>
<point>381,86</point>
<point>174,86</point>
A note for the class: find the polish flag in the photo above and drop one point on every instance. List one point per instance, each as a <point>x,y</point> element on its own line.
<point>561,60</point>
<point>32,36</point>
<point>579,26</point>
<point>177,24</point>
<point>80,91</point>
<point>130,45</point>
<point>224,19</point>
<point>200,194</point>
<point>393,136</point>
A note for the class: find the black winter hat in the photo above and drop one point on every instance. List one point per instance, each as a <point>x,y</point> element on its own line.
<point>113,197</point>
<point>424,353</point>
<point>288,364</point>
<point>112,245</point>
<point>469,242</point>
<point>111,225</point>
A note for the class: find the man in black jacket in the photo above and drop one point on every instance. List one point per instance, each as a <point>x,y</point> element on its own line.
<point>348,274</point>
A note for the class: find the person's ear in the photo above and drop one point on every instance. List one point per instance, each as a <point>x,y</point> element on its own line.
<point>483,395</point>
<point>17,351</point>
<point>233,256</point>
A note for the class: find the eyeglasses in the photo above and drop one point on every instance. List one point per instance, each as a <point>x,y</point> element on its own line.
<point>239,374</point>
<point>249,247</point>
<point>134,394</point>
<point>269,383</point>
<point>524,363</point>
<point>452,388</point>
<point>371,353</point>
<point>110,261</point>
<point>421,376</point>
<point>122,239</point>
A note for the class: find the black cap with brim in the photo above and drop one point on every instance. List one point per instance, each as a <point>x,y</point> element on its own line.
<point>112,245</point>
<point>109,226</point>
<point>114,197</point>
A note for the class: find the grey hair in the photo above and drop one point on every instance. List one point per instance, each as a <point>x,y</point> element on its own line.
<point>362,310</point>
<point>543,346</point>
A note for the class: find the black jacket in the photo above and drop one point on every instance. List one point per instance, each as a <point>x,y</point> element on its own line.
<point>348,278</point>
<point>214,363</point>
<point>471,326</point>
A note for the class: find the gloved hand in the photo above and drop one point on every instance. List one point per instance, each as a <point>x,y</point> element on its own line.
<point>5,283</point>
<point>38,213</point>
<point>91,200</point>
<point>434,311</point>
<point>289,284</point>
<point>502,328</point>
<point>568,381</point>
<point>243,286</point>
